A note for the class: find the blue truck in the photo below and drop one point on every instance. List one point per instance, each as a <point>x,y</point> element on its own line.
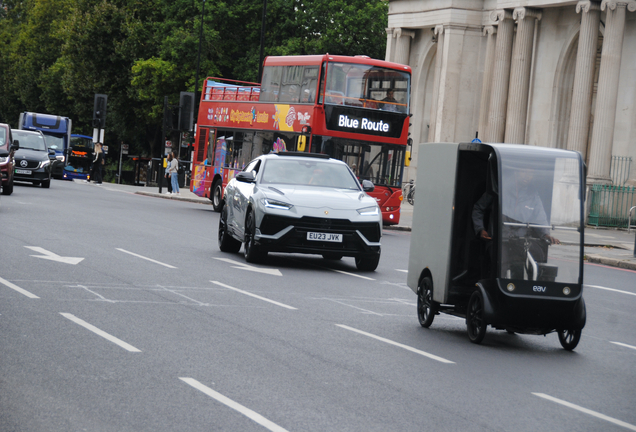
<point>57,132</point>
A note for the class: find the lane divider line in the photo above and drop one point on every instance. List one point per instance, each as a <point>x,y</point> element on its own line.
<point>351,274</point>
<point>254,295</point>
<point>252,415</point>
<point>99,332</point>
<point>18,289</point>
<point>623,345</point>
<point>390,342</point>
<point>610,289</point>
<point>586,411</point>
<point>146,258</point>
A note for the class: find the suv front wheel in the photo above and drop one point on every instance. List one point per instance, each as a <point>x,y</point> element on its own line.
<point>368,262</point>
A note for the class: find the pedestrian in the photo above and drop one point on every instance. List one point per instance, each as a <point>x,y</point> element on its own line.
<point>166,174</point>
<point>96,170</point>
<point>173,169</point>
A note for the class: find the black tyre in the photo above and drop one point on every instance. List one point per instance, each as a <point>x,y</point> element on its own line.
<point>8,188</point>
<point>368,262</point>
<point>332,256</point>
<point>253,253</point>
<point>475,323</point>
<point>411,196</point>
<point>227,243</point>
<point>569,338</point>
<point>46,183</point>
<point>217,196</point>
<point>426,307</point>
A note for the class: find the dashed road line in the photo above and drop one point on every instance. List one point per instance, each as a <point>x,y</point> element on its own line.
<point>254,295</point>
<point>586,411</point>
<point>252,415</point>
<point>18,289</point>
<point>624,345</point>
<point>610,289</point>
<point>146,258</point>
<point>99,332</point>
<point>390,342</point>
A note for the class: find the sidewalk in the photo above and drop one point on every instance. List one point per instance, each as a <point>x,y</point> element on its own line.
<point>603,246</point>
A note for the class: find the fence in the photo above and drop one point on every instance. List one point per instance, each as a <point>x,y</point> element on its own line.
<point>610,205</point>
<point>619,169</point>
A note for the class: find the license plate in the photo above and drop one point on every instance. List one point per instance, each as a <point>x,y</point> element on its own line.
<point>20,171</point>
<point>328,237</point>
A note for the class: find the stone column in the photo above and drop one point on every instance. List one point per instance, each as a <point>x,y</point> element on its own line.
<point>389,44</point>
<point>607,93</point>
<point>520,69</point>
<point>500,77</point>
<point>579,129</point>
<point>489,32</point>
<point>438,33</point>
<point>402,45</point>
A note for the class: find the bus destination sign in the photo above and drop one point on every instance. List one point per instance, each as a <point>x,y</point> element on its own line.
<point>381,123</point>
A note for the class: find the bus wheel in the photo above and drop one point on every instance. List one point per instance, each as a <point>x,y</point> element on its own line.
<point>569,338</point>
<point>227,243</point>
<point>253,253</point>
<point>426,307</point>
<point>475,323</point>
<point>217,196</point>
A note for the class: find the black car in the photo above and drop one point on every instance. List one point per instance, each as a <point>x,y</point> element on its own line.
<point>33,159</point>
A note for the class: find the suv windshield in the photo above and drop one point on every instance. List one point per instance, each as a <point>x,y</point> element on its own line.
<point>541,201</point>
<point>308,172</point>
<point>32,141</point>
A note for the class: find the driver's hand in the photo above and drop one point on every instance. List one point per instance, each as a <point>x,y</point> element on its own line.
<point>552,240</point>
<point>484,235</point>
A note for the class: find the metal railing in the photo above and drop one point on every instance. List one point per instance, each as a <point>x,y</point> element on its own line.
<point>619,169</point>
<point>610,204</point>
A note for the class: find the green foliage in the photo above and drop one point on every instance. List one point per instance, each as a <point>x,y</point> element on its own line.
<point>56,54</point>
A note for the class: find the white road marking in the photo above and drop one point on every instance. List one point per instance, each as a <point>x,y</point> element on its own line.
<point>352,274</point>
<point>587,411</point>
<point>406,347</point>
<point>53,257</point>
<point>254,295</point>
<point>242,266</point>
<point>403,271</point>
<point>18,289</point>
<point>99,332</point>
<point>254,416</point>
<point>623,345</point>
<point>146,258</point>
<point>610,289</point>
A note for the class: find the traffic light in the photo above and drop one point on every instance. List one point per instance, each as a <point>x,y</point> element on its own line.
<point>99,111</point>
<point>186,111</point>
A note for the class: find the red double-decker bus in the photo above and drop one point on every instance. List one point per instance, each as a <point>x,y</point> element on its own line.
<point>355,109</point>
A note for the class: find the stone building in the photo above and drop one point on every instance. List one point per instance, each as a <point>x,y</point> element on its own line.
<point>549,73</point>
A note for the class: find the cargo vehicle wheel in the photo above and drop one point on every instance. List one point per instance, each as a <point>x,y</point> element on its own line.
<point>569,338</point>
<point>253,253</point>
<point>475,323</point>
<point>46,183</point>
<point>227,243</point>
<point>426,307</point>
<point>8,188</point>
<point>217,196</point>
<point>332,256</point>
<point>368,262</point>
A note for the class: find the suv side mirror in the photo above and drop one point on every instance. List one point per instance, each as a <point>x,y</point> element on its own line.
<point>367,186</point>
<point>246,177</point>
<point>15,145</point>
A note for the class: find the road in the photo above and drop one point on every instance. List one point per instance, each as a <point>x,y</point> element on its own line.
<point>151,328</point>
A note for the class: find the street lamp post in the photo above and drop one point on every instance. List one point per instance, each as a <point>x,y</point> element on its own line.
<point>196,78</point>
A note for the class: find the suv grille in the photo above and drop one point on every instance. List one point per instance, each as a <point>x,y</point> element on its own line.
<point>273,224</point>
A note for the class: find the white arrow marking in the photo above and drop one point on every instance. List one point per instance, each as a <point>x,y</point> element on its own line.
<point>53,257</point>
<point>242,266</point>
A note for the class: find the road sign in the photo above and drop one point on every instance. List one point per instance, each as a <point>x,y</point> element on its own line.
<point>168,143</point>
<point>124,149</point>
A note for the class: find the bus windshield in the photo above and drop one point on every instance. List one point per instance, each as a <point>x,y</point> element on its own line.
<point>367,86</point>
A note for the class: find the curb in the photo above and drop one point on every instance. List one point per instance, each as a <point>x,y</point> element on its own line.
<point>203,201</point>
<point>612,262</point>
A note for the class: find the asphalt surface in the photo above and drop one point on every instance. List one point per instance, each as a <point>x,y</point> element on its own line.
<point>610,247</point>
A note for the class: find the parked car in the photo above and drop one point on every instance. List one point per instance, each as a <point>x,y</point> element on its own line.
<point>7,150</point>
<point>33,159</point>
<point>301,203</point>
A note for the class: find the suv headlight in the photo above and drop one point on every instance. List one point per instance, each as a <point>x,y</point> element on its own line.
<point>44,163</point>
<point>274,204</point>
<point>369,211</point>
